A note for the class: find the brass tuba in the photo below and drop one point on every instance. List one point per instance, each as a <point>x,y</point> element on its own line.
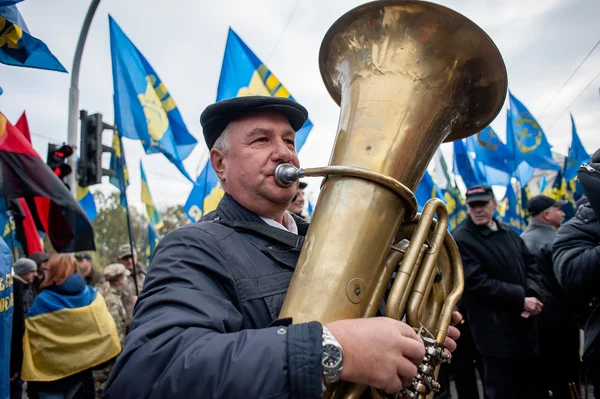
<point>408,75</point>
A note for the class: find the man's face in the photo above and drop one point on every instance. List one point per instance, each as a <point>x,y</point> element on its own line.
<point>258,144</point>
<point>84,267</point>
<point>28,276</point>
<point>127,262</point>
<point>298,204</point>
<point>554,216</point>
<point>481,212</point>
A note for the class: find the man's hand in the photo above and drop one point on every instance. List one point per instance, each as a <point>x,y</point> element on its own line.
<point>380,352</point>
<point>531,307</point>
<point>453,333</point>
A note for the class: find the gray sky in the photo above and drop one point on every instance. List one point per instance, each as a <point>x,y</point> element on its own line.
<point>542,42</point>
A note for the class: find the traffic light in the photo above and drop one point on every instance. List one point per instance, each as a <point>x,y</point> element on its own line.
<point>57,159</point>
<point>91,149</point>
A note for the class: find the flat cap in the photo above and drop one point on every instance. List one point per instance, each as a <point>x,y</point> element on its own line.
<point>479,193</point>
<point>216,117</point>
<point>540,203</point>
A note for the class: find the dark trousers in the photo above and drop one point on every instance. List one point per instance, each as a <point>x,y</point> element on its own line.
<point>465,359</point>
<point>559,358</point>
<point>510,378</point>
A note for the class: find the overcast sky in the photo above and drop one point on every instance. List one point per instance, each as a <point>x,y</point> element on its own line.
<point>542,42</point>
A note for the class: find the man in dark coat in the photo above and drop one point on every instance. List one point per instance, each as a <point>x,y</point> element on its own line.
<point>576,259</point>
<point>502,296</point>
<point>206,322</point>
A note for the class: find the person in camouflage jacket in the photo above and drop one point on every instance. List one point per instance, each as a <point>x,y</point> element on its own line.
<point>112,290</point>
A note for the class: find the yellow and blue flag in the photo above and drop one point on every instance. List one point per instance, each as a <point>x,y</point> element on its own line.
<point>153,215</point>
<point>466,167</point>
<point>526,138</point>
<point>242,74</point>
<point>87,202</point>
<point>144,109</point>
<point>18,47</point>
<point>7,304</point>
<point>426,190</point>
<point>8,226</point>
<point>118,164</point>
<point>511,210</point>
<point>452,197</point>
<point>577,155</point>
<point>67,334</point>
<point>153,239</point>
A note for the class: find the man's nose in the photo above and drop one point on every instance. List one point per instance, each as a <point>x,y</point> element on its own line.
<point>282,152</point>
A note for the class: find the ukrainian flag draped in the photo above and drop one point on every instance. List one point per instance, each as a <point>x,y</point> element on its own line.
<point>86,200</point>
<point>18,47</point>
<point>153,215</point>
<point>144,109</point>
<point>242,74</point>
<point>118,164</point>
<point>66,334</point>
<point>6,317</point>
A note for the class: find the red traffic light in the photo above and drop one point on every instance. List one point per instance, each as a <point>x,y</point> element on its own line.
<point>62,153</point>
<point>62,170</point>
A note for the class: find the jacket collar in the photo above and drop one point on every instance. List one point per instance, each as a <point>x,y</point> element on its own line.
<point>536,224</point>
<point>485,230</point>
<point>230,209</point>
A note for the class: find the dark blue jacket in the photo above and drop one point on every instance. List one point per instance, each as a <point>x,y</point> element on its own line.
<point>201,326</point>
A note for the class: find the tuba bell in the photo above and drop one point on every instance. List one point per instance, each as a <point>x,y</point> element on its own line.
<point>408,76</point>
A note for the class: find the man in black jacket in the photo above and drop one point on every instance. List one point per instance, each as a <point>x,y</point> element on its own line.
<point>206,322</point>
<point>576,259</point>
<point>502,296</point>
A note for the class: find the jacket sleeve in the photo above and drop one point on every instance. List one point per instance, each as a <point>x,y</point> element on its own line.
<point>532,271</point>
<point>186,338</point>
<point>576,259</point>
<point>479,284</point>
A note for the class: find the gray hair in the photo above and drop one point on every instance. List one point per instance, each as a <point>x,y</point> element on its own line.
<point>223,142</point>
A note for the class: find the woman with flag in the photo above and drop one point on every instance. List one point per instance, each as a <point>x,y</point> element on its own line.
<point>68,332</point>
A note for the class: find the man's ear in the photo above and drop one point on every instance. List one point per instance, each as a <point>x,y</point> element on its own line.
<point>219,163</point>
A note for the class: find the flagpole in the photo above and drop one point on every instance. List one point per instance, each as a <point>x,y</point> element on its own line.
<point>74,96</point>
<point>129,224</point>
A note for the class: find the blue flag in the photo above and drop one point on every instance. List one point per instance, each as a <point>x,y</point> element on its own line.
<point>144,109</point>
<point>466,167</point>
<point>6,317</point>
<point>426,190</point>
<point>494,158</point>
<point>18,47</point>
<point>527,139</point>
<point>511,210</point>
<point>5,3</point>
<point>242,74</point>
<point>577,155</point>
<point>310,210</point>
<point>8,226</point>
<point>153,240</point>
<point>86,200</point>
<point>118,164</point>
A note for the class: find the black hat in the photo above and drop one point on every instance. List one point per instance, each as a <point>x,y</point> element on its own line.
<point>481,193</point>
<point>303,185</point>
<point>540,203</point>
<point>216,117</point>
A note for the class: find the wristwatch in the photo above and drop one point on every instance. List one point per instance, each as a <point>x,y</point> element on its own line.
<point>332,358</point>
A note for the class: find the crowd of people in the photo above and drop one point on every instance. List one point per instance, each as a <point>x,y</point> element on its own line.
<point>69,323</point>
<point>206,321</point>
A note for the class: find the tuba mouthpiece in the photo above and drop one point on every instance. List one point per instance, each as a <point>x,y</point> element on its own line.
<point>286,174</point>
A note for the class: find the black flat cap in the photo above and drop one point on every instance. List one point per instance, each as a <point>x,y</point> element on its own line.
<point>216,117</point>
<point>540,203</point>
<point>480,193</point>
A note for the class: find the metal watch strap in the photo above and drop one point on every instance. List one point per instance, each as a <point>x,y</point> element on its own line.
<point>331,375</point>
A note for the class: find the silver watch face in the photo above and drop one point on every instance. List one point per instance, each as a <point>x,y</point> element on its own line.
<point>332,356</point>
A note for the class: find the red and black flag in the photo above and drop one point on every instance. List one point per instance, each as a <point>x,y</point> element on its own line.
<point>24,174</point>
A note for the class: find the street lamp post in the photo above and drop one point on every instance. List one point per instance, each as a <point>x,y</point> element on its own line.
<point>74,95</point>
